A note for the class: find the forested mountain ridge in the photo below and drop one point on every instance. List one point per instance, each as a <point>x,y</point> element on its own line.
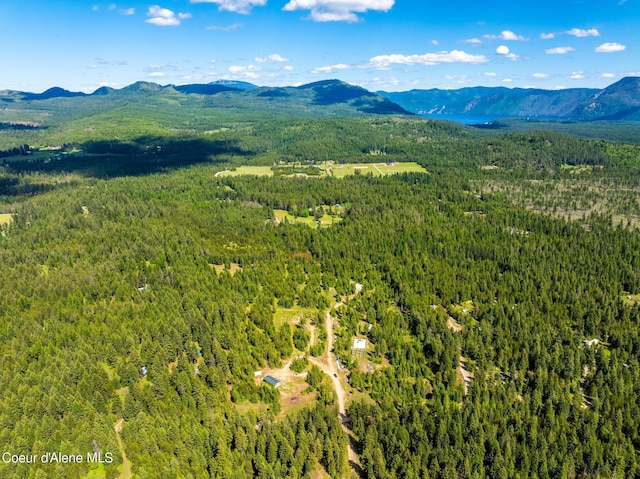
<point>325,98</point>
<point>619,101</point>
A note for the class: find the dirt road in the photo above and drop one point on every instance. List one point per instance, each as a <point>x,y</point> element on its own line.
<point>328,365</point>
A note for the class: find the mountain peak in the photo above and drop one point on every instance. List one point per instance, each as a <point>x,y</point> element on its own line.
<point>54,92</point>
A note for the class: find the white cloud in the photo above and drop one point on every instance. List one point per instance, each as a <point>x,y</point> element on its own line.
<point>506,35</point>
<point>273,58</point>
<point>224,28</point>
<point>243,70</point>
<point>504,50</point>
<point>610,48</point>
<point>473,41</point>
<point>608,75</point>
<point>434,42</point>
<point>540,76</point>
<point>156,74</point>
<point>559,50</point>
<point>454,56</point>
<point>163,17</point>
<point>577,75</point>
<point>577,32</point>
<point>547,36</point>
<point>507,80</point>
<point>237,6</point>
<point>128,11</point>
<point>490,74</point>
<point>331,68</point>
<point>338,10</point>
<point>288,68</point>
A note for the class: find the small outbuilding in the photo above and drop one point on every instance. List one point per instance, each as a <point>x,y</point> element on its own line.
<point>272,381</point>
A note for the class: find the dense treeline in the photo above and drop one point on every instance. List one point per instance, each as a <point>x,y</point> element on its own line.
<point>112,313</point>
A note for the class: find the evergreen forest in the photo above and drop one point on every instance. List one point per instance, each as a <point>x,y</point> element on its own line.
<point>151,280</point>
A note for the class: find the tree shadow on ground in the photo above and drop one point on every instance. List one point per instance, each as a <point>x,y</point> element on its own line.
<point>142,156</point>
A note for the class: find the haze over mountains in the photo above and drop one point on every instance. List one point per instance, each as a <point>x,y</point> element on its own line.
<point>619,101</point>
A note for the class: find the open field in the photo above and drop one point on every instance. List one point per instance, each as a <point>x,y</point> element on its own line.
<point>337,170</point>
<point>293,315</point>
<point>325,220</point>
<point>247,170</point>
<point>376,169</point>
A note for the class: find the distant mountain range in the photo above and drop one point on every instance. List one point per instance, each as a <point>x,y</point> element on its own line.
<point>619,101</point>
<point>331,97</point>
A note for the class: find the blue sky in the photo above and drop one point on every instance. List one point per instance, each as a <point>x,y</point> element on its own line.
<point>391,45</point>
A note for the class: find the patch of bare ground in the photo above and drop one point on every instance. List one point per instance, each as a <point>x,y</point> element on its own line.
<point>453,325</point>
<point>464,374</point>
<point>125,473</point>
<point>585,404</point>
<point>291,390</point>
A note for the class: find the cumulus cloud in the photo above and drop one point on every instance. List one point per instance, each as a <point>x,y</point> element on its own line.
<point>577,75</point>
<point>338,10</point>
<point>577,32</point>
<point>237,6</point>
<point>547,36</point>
<point>273,58</point>
<point>540,76</point>
<point>608,75</point>
<point>559,50</point>
<point>610,48</point>
<point>504,50</point>
<point>128,11</point>
<point>472,41</point>
<point>454,56</point>
<point>156,74</point>
<point>331,68</point>
<point>506,35</point>
<point>163,17</point>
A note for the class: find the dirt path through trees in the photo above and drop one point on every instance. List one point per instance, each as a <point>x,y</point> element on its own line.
<point>126,465</point>
<point>328,365</point>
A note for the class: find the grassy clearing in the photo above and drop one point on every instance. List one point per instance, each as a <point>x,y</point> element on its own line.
<point>630,299</point>
<point>6,219</point>
<point>376,169</point>
<point>293,315</point>
<point>233,268</point>
<point>324,221</point>
<point>463,308</point>
<point>248,170</point>
<point>336,170</point>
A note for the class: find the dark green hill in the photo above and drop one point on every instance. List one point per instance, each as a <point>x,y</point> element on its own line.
<point>145,108</point>
<point>55,92</point>
<point>203,89</point>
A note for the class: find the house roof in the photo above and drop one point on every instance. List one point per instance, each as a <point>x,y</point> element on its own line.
<point>272,381</point>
